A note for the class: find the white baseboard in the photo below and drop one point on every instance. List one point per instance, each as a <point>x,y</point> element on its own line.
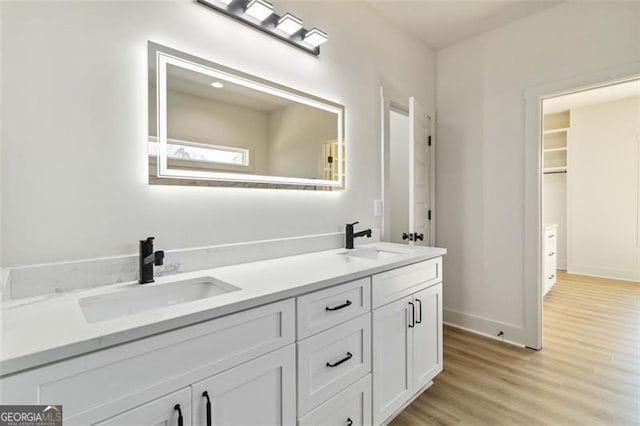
<point>485,327</point>
<point>599,272</point>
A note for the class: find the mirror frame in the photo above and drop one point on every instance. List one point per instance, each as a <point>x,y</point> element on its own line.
<point>159,57</point>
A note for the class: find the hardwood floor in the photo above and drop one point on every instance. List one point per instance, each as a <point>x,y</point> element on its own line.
<point>588,372</point>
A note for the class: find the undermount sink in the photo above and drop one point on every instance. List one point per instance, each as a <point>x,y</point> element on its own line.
<point>149,297</point>
<point>370,253</point>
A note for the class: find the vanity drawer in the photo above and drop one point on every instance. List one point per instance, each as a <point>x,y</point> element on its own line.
<point>352,406</point>
<point>134,373</point>
<point>330,361</point>
<point>323,309</point>
<point>398,283</point>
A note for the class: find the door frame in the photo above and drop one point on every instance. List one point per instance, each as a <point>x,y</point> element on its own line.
<point>390,98</point>
<point>533,184</point>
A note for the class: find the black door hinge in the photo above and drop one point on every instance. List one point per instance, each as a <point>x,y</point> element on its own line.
<point>429,215</point>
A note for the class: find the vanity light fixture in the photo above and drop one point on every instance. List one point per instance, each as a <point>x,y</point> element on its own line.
<point>315,37</point>
<point>289,24</point>
<point>217,85</point>
<point>259,9</point>
<point>259,14</point>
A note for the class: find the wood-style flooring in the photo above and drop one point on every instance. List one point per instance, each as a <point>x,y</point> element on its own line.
<point>587,373</point>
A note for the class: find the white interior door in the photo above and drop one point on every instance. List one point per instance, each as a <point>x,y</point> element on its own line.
<point>407,164</point>
<point>419,174</point>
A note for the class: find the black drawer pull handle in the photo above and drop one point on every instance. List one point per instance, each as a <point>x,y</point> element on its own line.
<point>205,394</point>
<point>336,308</point>
<point>552,277</point>
<point>413,315</point>
<point>180,418</point>
<point>551,254</point>
<point>349,421</point>
<point>551,235</point>
<point>337,363</point>
<point>420,320</point>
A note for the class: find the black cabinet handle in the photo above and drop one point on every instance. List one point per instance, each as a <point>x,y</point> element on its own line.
<point>205,394</point>
<point>336,308</point>
<point>337,363</point>
<point>349,421</point>
<point>413,315</point>
<point>417,236</point>
<point>180,418</point>
<point>420,311</point>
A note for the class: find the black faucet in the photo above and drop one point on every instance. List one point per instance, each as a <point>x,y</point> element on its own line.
<point>350,235</point>
<point>148,258</point>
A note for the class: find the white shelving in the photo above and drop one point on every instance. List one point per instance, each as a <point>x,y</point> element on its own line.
<point>552,131</point>
<point>555,142</point>
<point>564,148</point>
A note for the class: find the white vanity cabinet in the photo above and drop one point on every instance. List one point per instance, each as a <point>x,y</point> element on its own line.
<point>352,354</point>
<point>407,335</point>
<point>134,374</point>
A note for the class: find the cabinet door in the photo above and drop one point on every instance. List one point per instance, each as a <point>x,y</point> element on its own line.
<point>259,392</point>
<point>427,336</point>
<point>392,357</point>
<point>162,411</point>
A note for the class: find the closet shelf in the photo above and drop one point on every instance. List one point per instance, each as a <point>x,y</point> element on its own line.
<point>551,131</point>
<point>555,169</point>
<point>560,149</point>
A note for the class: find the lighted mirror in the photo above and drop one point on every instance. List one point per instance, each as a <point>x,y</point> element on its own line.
<point>210,125</point>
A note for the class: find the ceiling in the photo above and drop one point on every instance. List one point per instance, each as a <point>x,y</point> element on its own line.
<point>600,95</point>
<point>197,84</point>
<point>441,23</point>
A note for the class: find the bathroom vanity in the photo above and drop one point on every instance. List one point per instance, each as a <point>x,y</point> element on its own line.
<point>334,337</point>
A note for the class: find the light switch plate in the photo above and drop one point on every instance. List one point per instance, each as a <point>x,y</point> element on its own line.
<point>377,208</point>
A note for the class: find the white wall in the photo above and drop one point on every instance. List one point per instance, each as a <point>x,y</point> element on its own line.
<point>75,183</point>
<point>603,205</point>
<point>481,148</point>
<point>203,120</point>
<point>297,134</point>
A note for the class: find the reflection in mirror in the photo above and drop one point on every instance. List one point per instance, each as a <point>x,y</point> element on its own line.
<point>213,126</point>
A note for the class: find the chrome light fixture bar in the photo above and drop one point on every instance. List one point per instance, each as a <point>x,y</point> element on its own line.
<point>259,15</point>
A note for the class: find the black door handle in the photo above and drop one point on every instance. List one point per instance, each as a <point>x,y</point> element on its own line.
<point>406,236</point>
<point>413,315</point>
<point>349,421</point>
<point>336,308</point>
<point>337,363</point>
<point>180,418</point>
<point>420,311</point>
<point>206,395</point>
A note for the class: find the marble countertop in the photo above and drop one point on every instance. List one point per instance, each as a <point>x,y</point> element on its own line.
<point>41,330</point>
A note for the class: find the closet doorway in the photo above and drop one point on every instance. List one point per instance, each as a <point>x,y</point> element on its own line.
<point>590,192</point>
